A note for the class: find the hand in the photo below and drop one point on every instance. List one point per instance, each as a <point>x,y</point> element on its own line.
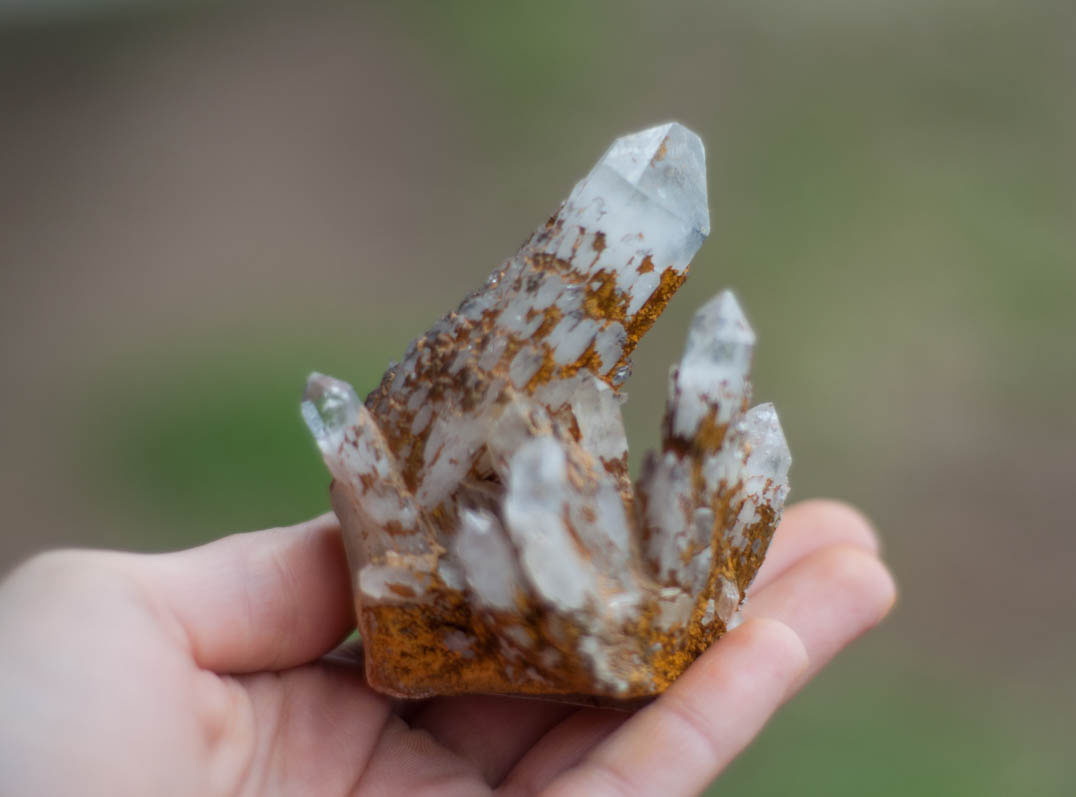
<point>205,672</point>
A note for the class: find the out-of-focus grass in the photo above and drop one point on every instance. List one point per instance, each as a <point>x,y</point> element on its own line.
<point>191,446</point>
<point>883,730</point>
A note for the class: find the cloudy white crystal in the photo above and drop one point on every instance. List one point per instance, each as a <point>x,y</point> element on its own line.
<point>712,376</point>
<point>488,559</point>
<point>764,476</point>
<point>533,510</point>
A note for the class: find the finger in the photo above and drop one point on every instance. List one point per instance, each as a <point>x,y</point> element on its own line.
<point>677,744</point>
<point>263,600</point>
<point>309,730</point>
<point>809,526</point>
<point>491,732</point>
<point>410,762</point>
<point>562,747</point>
<point>829,598</point>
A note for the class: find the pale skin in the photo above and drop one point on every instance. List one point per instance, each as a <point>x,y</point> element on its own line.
<point>216,671</point>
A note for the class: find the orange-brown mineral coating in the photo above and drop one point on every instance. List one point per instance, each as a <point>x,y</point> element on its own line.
<point>415,656</point>
<point>457,336</point>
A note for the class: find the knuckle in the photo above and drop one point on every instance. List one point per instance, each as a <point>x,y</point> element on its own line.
<point>848,521</point>
<point>72,574</point>
<point>693,724</point>
<point>787,638</point>
<point>862,576</point>
<point>52,567</point>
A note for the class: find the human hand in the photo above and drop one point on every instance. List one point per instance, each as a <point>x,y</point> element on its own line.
<point>213,671</point>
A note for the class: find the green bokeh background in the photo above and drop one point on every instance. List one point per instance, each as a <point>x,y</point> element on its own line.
<point>201,203</point>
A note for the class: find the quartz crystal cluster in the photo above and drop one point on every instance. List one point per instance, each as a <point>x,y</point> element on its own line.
<point>496,540</point>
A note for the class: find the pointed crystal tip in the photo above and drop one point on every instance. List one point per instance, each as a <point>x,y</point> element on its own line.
<point>720,331</point>
<point>668,164</point>
<point>329,407</point>
<point>769,450</point>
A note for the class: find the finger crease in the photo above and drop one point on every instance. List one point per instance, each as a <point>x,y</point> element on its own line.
<point>617,780</point>
<point>696,723</point>
<point>386,718</point>
<point>288,584</point>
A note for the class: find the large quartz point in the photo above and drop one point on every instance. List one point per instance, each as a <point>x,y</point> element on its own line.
<point>496,540</point>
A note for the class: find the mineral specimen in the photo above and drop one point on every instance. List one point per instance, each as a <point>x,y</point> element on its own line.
<point>496,540</point>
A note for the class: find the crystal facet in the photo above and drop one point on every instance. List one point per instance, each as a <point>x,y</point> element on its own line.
<point>329,408</point>
<point>496,539</point>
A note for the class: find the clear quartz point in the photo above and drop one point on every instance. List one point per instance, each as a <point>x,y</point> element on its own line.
<point>713,375</point>
<point>647,196</point>
<point>329,407</point>
<point>768,457</point>
<point>721,335</point>
<point>667,163</point>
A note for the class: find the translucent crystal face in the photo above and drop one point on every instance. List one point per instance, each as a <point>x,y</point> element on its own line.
<point>715,367</point>
<point>329,408</point>
<point>721,336</point>
<point>497,540</point>
<point>666,164</point>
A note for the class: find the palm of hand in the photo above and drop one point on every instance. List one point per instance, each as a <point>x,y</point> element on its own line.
<point>204,672</point>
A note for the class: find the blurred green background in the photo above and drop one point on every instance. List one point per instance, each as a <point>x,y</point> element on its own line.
<point>200,203</point>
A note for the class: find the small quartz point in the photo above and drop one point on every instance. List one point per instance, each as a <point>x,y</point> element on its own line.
<point>496,540</point>
<point>763,475</point>
<point>329,407</point>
